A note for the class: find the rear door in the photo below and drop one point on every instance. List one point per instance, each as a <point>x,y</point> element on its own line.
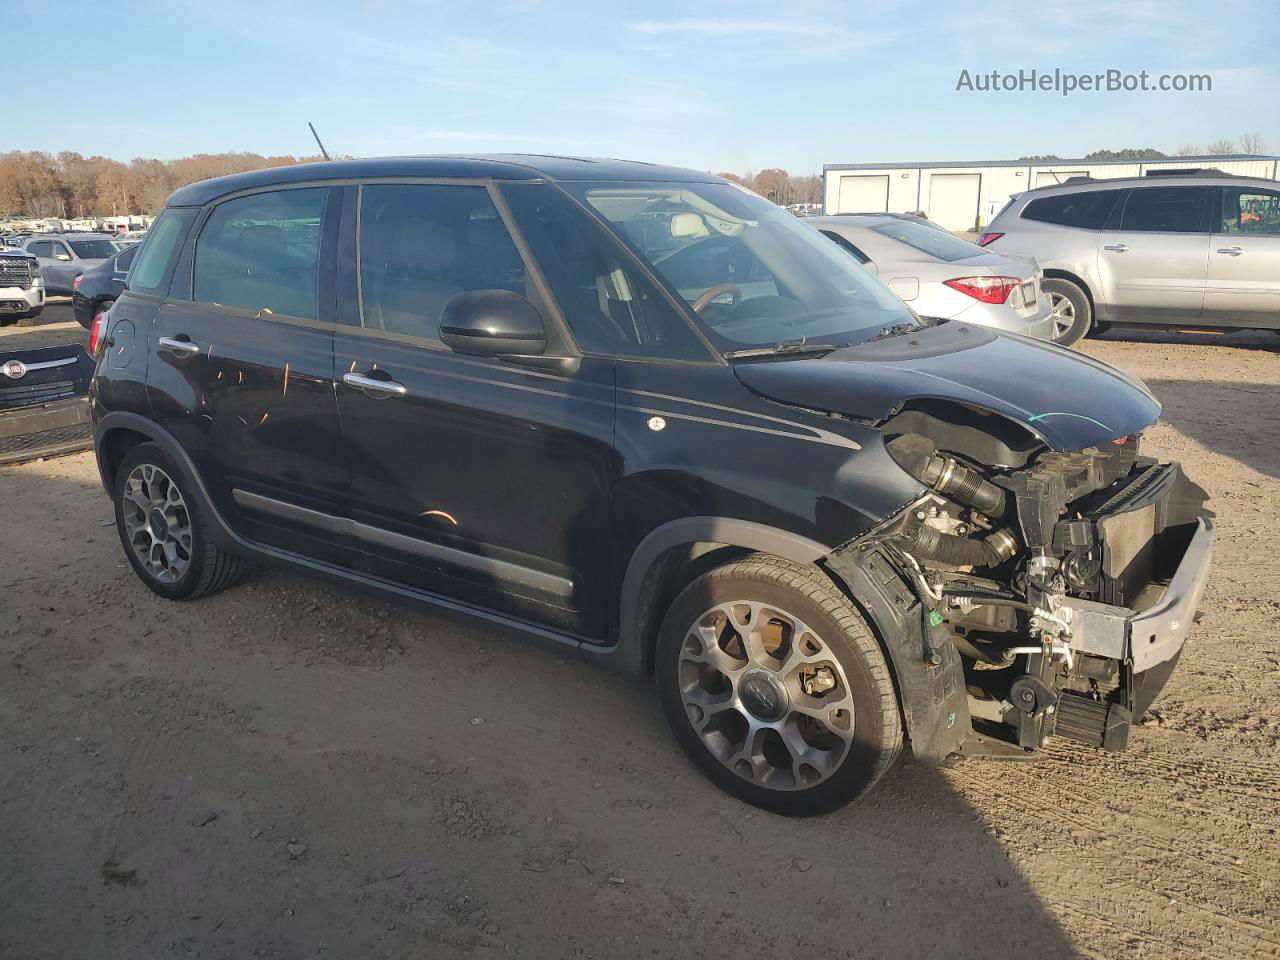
<point>1153,267</point>
<point>241,368</point>
<point>1244,259</point>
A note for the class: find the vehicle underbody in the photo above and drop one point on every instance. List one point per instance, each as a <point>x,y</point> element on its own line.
<point>1065,581</point>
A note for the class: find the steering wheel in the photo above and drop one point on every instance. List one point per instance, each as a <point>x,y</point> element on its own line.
<point>719,290</point>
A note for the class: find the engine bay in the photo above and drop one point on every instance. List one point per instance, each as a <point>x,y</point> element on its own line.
<point>1023,558</point>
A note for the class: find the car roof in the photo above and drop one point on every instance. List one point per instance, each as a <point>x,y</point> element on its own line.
<point>505,166</point>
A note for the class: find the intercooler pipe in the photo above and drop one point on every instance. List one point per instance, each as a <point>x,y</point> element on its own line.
<point>919,457</point>
<point>926,543</point>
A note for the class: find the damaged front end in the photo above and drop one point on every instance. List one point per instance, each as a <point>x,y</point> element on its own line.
<point>1029,592</point>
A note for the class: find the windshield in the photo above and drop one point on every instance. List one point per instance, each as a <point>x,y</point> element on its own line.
<point>93,249</point>
<point>753,274</point>
<point>926,239</point>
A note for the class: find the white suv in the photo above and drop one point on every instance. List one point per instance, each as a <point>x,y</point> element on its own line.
<point>21,288</point>
<point>1200,250</point>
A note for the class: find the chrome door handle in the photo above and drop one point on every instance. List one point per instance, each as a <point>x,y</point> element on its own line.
<point>183,348</point>
<point>377,389</point>
<point>1116,247</point>
<point>1231,251</point>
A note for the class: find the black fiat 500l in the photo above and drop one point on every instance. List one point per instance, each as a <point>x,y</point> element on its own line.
<point>644,413</point>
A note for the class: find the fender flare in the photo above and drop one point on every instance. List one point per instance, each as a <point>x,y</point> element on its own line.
<point>633,652</point>
<point>136,423</point>
<point>933,699</point>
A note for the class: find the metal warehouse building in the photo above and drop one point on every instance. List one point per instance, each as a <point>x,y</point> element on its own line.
<point>966,196</point>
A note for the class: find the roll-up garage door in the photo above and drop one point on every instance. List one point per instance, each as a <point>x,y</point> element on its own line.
<point>953,200</point>
<point>864,194</point>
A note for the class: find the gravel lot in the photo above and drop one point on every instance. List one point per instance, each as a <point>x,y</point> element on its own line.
<point>291,770</point>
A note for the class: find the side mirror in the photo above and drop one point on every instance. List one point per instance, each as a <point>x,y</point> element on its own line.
<point>62,256</point>
<point>492,323</point>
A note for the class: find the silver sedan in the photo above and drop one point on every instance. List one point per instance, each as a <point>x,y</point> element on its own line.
<point>939,275</point>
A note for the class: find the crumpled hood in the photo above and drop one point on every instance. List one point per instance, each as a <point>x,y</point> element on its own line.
<point>1069,400</point>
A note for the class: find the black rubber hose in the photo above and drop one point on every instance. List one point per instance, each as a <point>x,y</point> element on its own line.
<point>926,543</point>
<point>918,456</point>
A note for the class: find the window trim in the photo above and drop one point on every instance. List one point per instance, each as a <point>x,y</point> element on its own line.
<point>1206,209</point>
<point>844,243</point>
<point>326,257</point>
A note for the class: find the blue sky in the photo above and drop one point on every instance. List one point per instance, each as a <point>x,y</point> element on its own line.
<point>710,85</point>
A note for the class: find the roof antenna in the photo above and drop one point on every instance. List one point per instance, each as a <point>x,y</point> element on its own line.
<point>323,151</point>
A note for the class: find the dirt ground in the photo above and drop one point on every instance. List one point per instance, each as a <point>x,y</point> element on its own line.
<point>291,770</point>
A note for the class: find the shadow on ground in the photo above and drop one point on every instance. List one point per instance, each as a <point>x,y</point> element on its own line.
<point>290,770</point>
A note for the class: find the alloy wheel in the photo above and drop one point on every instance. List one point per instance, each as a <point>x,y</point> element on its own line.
<point>1063,312</point>
<point>157,523</point>
<point>766,696</point>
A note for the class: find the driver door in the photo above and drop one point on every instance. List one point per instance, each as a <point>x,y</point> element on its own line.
<point>471,477</point>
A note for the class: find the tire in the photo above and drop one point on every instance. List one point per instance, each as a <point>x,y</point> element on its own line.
<point>1072,312</point>
<point>735,705</point>
<point>188,564</point>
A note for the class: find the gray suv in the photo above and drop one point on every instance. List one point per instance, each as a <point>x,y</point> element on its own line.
<point>65,256</point>
<point>1197,250</point>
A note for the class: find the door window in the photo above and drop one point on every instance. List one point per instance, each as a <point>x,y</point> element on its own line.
<point>612,307</point>
<point>60,251</point>
<point>1166,210</point>
<point>262,252</point>
<point>1250,210</point>
<point>423,244</point>
<point>41,248</point>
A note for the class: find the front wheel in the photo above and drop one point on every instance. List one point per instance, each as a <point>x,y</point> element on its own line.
<point>776,687</point>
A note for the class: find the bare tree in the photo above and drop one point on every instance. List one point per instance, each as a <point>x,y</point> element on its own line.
<point>1220,148</point>
<point>1252,143</point>
<point>1189,150</point>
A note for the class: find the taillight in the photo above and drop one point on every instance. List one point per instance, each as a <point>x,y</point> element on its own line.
<point>986,289</point>
<point>989,238</point>
<point>75,284</point>
<point>95,333</point>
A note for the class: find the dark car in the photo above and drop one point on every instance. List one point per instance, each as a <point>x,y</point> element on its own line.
<point>95,290</point>
<point>44,406</point>
<point>720,453</point>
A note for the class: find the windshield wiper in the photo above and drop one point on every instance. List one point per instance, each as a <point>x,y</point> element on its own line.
<point>781,348</point>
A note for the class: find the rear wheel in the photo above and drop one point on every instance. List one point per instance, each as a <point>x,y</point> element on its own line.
<point>775,686</point>
<point>1071,310</point>
<point>165,536</point>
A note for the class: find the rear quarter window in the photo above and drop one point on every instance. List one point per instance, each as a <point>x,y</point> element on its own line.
<point>1087,209</point>
<point>154,261</point>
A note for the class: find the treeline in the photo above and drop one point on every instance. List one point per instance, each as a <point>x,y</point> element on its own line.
<point>781,187</point>
<point>68,185</point>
